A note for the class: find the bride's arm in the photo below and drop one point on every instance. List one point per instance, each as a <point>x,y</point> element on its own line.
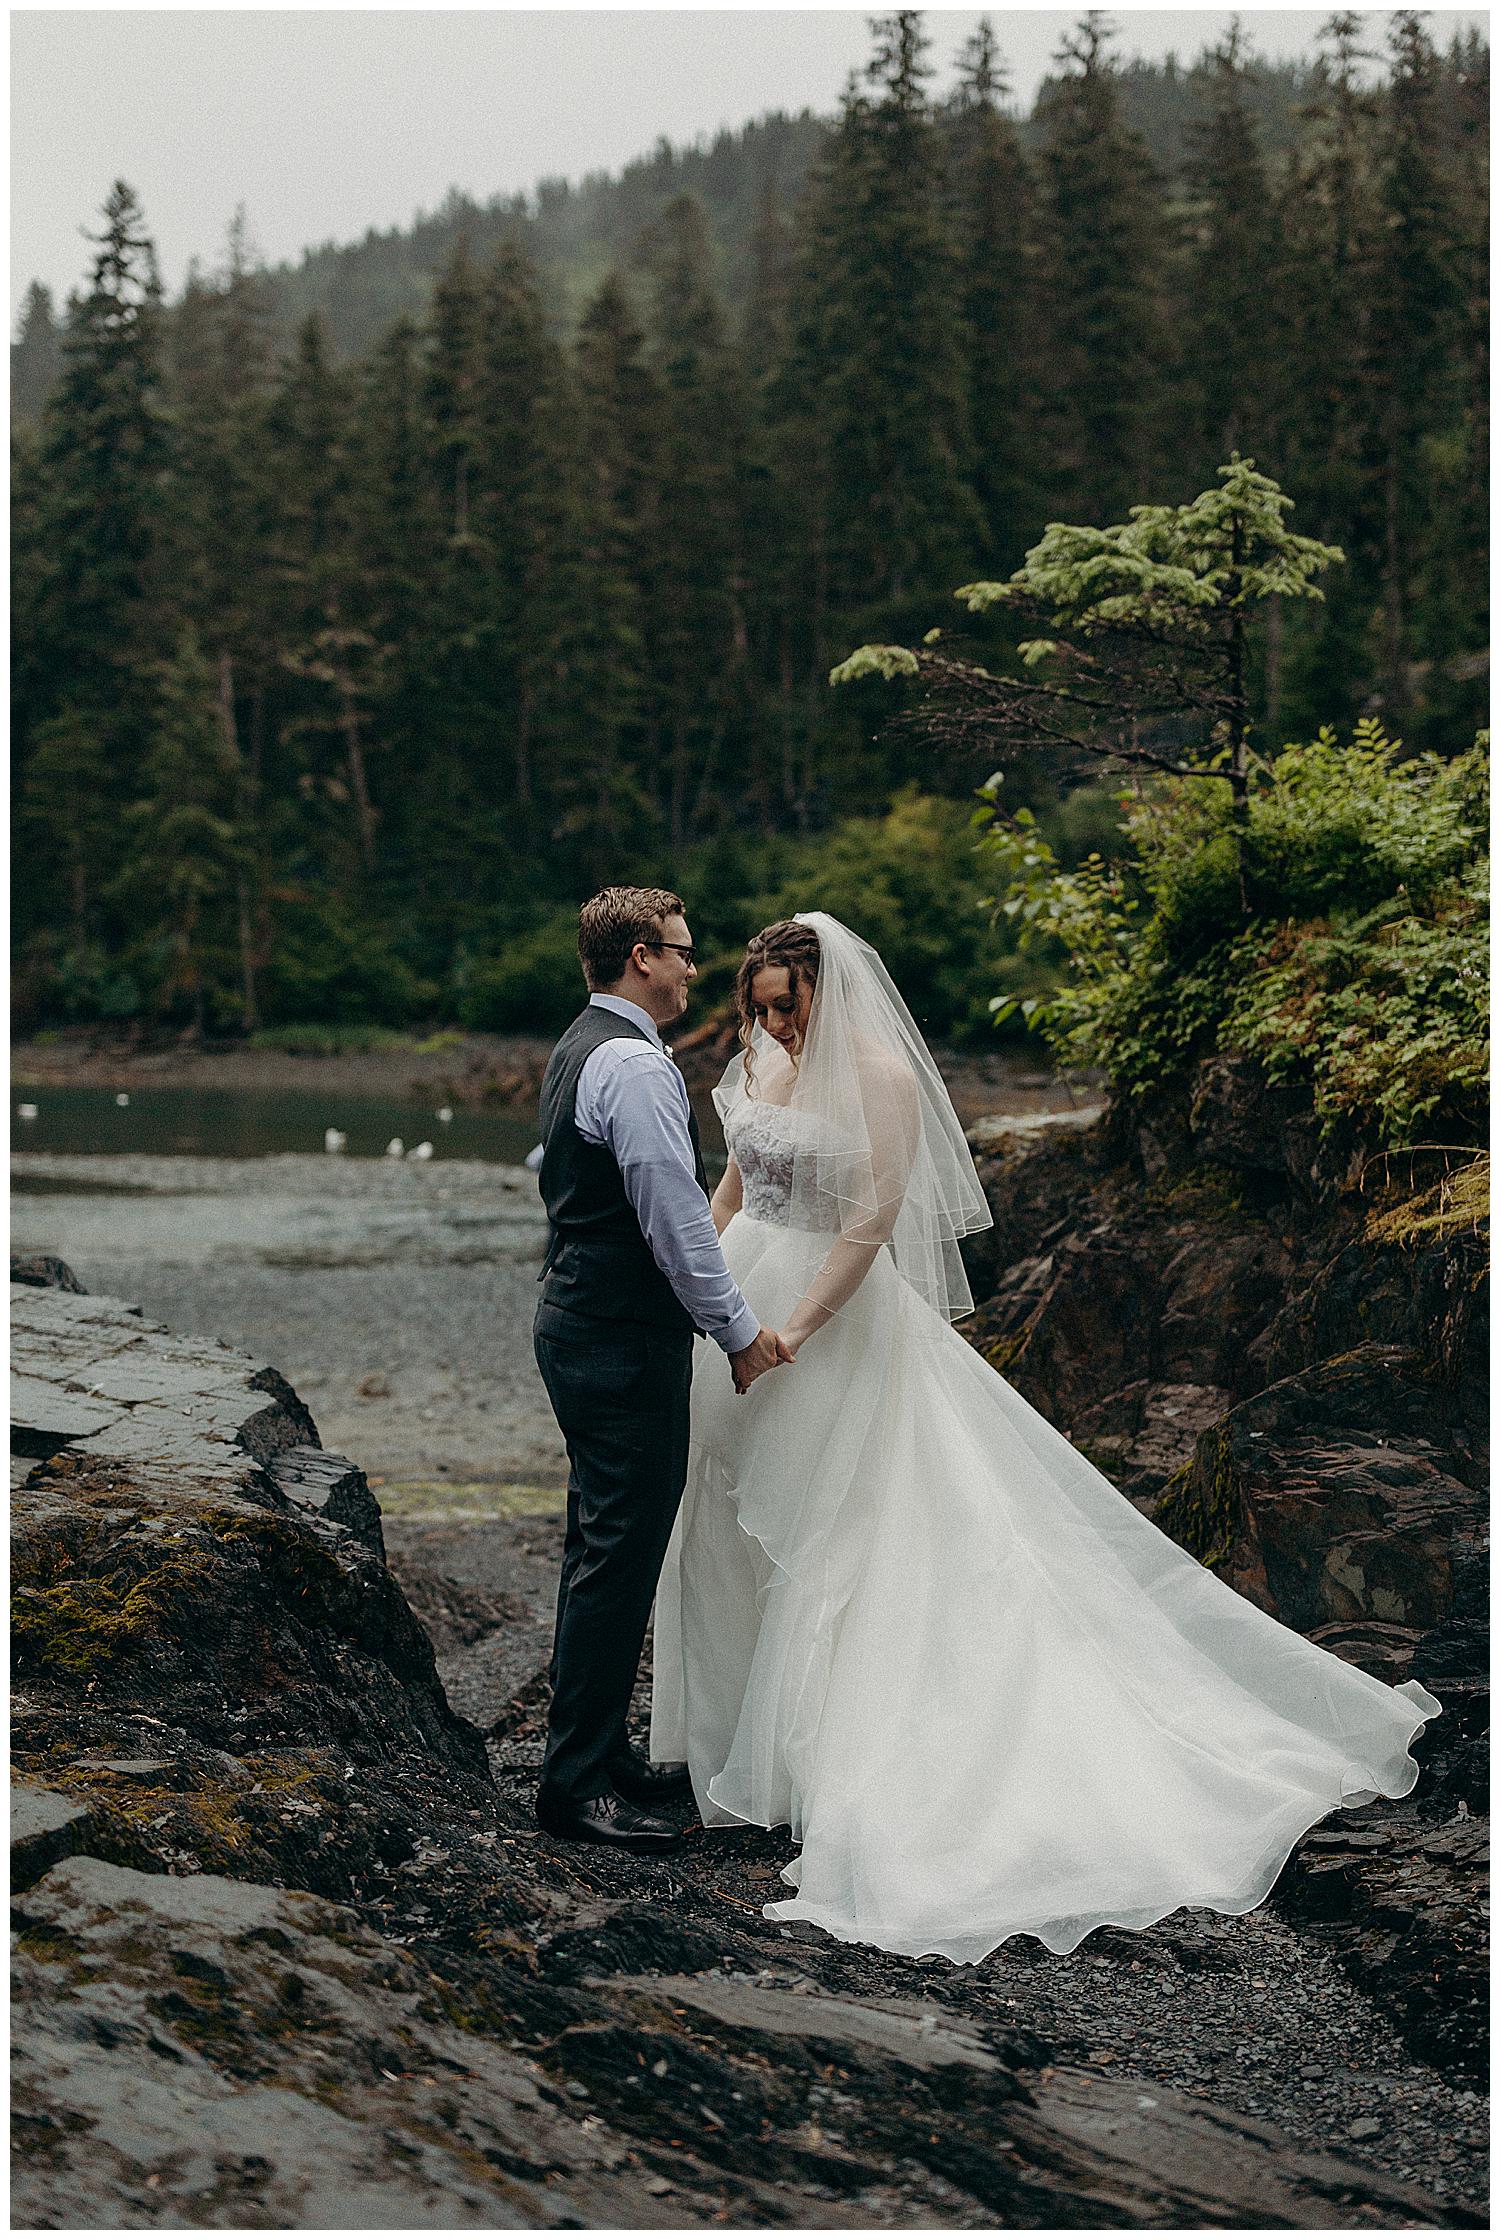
<point>728,1198</point>
<point>894,1128</point>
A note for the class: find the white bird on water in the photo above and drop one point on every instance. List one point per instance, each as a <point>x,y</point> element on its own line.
<point>122,1098</point>
<point>445,1113</point>
<point>334,1139</point>
<point>420,1151</point>
<point>25,1111</point>
<point>395,1149</point>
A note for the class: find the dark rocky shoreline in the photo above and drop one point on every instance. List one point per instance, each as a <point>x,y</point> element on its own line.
<point>292,1952</point>
<point>1280,1352</point>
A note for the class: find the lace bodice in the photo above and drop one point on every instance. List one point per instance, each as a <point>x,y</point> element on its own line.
<point>764,1139</point>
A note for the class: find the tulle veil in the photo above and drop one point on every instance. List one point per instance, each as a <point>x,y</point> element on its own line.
<point>876,1149</point>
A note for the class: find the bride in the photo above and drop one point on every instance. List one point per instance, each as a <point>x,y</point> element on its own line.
<point>900,1614</point>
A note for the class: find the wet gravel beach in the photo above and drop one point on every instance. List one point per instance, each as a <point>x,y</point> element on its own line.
<point>396,1297</point>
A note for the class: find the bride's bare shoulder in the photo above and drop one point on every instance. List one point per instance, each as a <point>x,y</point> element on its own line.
<point>882,1069</point>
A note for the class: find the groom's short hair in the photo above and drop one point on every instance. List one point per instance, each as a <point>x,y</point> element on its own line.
<point>613,921</point>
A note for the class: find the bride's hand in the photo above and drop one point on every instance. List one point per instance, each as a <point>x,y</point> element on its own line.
<point>799,1327</point>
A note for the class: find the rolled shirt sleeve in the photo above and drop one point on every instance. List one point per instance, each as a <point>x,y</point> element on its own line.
<point>633,1099</point>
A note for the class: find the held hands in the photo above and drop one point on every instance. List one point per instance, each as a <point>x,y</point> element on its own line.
<point>766,1350</point>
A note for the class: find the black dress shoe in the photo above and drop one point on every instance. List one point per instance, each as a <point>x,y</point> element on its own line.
<point>634,1777</point>
<point>607,1819</point>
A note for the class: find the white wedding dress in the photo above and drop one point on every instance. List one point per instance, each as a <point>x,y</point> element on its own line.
<point>901,1615</point>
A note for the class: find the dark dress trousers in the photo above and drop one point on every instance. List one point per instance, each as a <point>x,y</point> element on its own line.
<point>615,1349</point>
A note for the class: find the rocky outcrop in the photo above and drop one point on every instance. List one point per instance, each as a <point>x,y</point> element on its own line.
<point>44,1828</point>
<point>288,1956</point>
<point>187,1600</point>
<point>1208,1250</point>
<point>1415,1274</point>
<point>1403,1902</point>
<point>197,2051</point>
<point>1128,1301</point>
<point>333,1488</point>
<point>44,1271</point>
<point>1334,1496</point>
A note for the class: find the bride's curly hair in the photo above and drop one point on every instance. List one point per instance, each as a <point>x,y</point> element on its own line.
<point>785,943</point>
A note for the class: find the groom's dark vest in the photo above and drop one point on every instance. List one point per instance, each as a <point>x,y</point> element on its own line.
<point>598,1261</point>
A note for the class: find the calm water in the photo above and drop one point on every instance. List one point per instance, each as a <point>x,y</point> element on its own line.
<point>252,1123</point>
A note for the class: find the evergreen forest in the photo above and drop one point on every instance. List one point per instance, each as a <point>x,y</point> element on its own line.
<point>368,614</point>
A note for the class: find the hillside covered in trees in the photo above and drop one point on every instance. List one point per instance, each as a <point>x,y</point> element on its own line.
<point>367,613</point>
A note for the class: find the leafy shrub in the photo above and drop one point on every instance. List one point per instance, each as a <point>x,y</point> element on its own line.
<point>332,966</point>
<point>534,986</point>
<point>1354,966</point>
<point>910,880</point>
<point>1385,1017</point>
<point>79,981</point>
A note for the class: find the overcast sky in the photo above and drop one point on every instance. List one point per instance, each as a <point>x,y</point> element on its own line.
<point>326,122</point>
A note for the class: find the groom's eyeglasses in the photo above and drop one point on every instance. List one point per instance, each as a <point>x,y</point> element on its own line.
<point>683,948</point>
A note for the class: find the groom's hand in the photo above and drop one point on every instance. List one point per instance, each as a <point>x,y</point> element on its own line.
<point>765,1351</point>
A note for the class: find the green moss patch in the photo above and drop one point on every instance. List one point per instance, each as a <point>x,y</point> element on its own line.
<point>1201,1508</point>
<point>1459,1205</point>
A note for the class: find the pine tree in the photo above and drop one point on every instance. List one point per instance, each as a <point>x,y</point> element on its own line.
<point>520,453</point>
<point>456,817</point>
<point>993,215</point>
<point>1326,219</point>
<point>604,807</point>
<point>221,358</point>
<point>324,637</point>
<point>454,375</point>
<point>769,511</point>
<point>698,617</point>
<point>893,404</point>
<point>1103,226</point>
<point>67,821</point>
<point>1231,262</point>
<point>400,521</point>
<point>184,851</point>
<point>1416,344</point>
<point>801,625</point>
<point>763,333</point>
<point>399,512</point>
<point>442,691</point>
<point>35,355</point>
<point>869,503</point>
<point>95,591</point>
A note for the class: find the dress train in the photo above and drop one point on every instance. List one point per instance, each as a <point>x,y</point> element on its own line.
<point>902,1615</point>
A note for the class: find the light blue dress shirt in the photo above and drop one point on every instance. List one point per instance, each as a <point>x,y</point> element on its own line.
<point>632,1099</point>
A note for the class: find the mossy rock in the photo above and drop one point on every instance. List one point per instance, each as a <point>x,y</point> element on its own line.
<point>1457,1206</point>
<point>1202,1505</point>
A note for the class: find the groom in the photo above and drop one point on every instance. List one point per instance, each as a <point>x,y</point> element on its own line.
<point>633,1269</point>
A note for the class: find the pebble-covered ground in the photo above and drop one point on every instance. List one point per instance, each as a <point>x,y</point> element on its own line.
<point>1253,2014</point>
<point>1248,2014</point>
